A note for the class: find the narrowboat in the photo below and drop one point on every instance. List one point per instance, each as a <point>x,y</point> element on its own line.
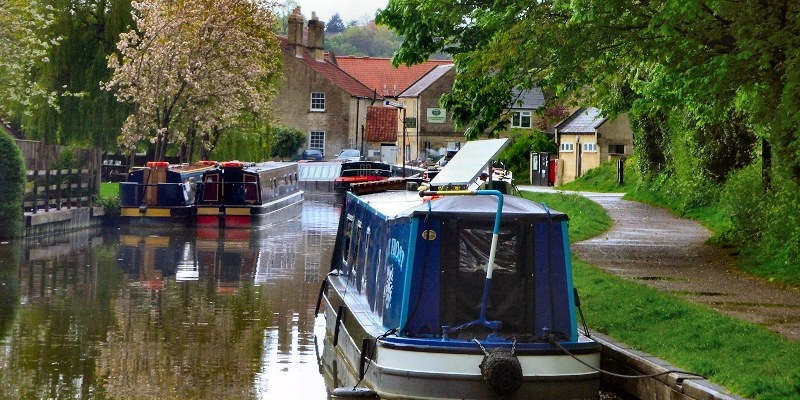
<point>244,195</point>
<point>160,192</point>
<point>361,171</point>
<point>454,295</point>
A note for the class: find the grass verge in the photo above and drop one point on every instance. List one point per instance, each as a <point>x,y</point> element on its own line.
<point>743,357</point>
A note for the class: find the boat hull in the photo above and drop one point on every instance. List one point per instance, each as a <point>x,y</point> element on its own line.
<point>405,368</point>
<point>227,216</point>
<point>147,215</point>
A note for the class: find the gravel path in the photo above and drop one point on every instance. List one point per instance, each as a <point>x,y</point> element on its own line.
<point>651,246</point>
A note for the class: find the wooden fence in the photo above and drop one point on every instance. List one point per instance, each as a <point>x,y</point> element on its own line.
<point>49,190</point>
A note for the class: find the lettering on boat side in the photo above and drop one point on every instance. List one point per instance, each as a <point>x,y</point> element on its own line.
<point>396,257</point>
<point>429,234</point>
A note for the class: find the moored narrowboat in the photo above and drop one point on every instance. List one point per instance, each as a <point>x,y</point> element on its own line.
<point>361,171</point>
<point>244,195</point>
<point>455,295</point>
<point>160,192</point>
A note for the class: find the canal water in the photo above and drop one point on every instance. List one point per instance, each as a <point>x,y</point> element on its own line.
<point>146,313</point>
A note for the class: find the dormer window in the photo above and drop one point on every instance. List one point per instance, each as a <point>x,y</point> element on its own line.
<point>521,119</point>
<point>317,101</point>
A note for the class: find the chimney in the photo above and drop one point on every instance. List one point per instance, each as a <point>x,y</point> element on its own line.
<point>295,32</point>
<point>316,37</point>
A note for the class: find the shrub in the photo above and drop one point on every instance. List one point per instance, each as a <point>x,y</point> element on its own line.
<point>12,182</point>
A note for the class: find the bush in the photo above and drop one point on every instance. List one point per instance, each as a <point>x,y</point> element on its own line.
<point>12,182</point>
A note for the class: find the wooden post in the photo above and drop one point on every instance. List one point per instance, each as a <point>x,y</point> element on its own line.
<point>35,191</point>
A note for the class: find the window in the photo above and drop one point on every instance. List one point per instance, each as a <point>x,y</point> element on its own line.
<point>567,146</point>
<point>317,101</point>
<point>616,149</point>
<point>316,140</point>
<point>521,119</point>
<point>590,147</point>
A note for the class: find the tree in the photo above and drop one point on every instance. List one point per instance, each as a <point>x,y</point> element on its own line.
<point>194,68</point>
<point>13,183</point>
<point>286,142</point>
<point>710,58</point>
<point>23,45</point>
<point>87,116</point>
<point>335,25</point>
<point>369,40</point>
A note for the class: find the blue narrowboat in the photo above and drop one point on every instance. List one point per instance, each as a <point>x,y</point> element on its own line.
<point>455,295</point>
<point>160,192</point>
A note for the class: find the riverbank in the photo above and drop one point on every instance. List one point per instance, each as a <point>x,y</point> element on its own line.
<point>655,285</point>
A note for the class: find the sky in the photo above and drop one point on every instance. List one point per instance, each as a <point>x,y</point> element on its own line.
<point>349,10</point>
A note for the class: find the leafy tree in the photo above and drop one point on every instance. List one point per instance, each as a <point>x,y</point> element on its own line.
<point>12,180</point>
<point>86,115</point>
<point>705,57</point>
<point>24,44</point>
<point>286,142</point>
<point>194,68</point>
<point>369,40</point>
<point>282,12</point>
<point>335,25</point>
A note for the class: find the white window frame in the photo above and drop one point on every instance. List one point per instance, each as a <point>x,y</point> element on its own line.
<point>590,147</point>
<point>317,101</point>
<point>517,119</point>
<point>316,140</point>
<point>567,147</point>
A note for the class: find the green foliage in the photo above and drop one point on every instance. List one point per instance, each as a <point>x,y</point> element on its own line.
<point>369,40</point>
<point>84,115</point>
<point>335,25</point>
<point>12,182</point>
<point>741,356</point>
<point>516,156</point>
<point>287,142</point>
<point>603,179</point>
<point>586,218</point>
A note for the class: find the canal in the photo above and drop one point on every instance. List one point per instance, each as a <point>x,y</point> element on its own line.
<point>167,312</point>
<point>139,312</point>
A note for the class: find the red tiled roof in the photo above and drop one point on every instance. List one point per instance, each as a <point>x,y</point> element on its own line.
<point>379,74</point>
<point>330,71</point>
<point>381,124</point>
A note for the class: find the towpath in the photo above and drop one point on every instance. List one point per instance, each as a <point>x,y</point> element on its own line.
<point>649,245</point>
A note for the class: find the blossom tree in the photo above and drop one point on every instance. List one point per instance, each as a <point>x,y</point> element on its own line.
<point>194,68</point>
<point>23,44</point>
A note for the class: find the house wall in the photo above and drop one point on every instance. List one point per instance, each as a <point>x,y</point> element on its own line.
<point>436,135</point>
<point>293,106</point>
<point>613,132</point>
<point>616,132</point>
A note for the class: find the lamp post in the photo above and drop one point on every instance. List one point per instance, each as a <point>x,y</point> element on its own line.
<point>578,156</point>
<point>401,107</point>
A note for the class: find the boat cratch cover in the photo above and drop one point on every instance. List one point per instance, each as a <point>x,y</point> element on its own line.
<point>527,287</point>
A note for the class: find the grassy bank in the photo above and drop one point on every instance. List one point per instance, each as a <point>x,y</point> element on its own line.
<point>743,357</point>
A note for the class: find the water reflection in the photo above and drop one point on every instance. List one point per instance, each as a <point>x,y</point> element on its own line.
<point>166,313</point>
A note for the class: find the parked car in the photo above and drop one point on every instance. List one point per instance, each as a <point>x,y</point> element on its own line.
<point>312,155</point>
<point>349,155</point>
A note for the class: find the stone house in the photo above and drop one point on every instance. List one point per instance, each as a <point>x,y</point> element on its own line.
<point>316,96</point>
<point>587,138</point>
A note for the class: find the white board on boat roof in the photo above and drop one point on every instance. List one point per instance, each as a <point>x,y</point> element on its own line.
<point>468,163</point>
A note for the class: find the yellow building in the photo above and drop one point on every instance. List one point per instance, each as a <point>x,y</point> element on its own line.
<point>587,138</point>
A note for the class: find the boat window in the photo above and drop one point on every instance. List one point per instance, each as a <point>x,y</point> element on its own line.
<point>348,233</point>
<point>250,188</point>
<point>474,247</point>
<point>211,188</point>
<point>354,267</point>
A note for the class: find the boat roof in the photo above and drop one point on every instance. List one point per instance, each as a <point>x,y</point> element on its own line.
<point>468,162</point>
<point>405,203</point>
<point>485,205</point>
